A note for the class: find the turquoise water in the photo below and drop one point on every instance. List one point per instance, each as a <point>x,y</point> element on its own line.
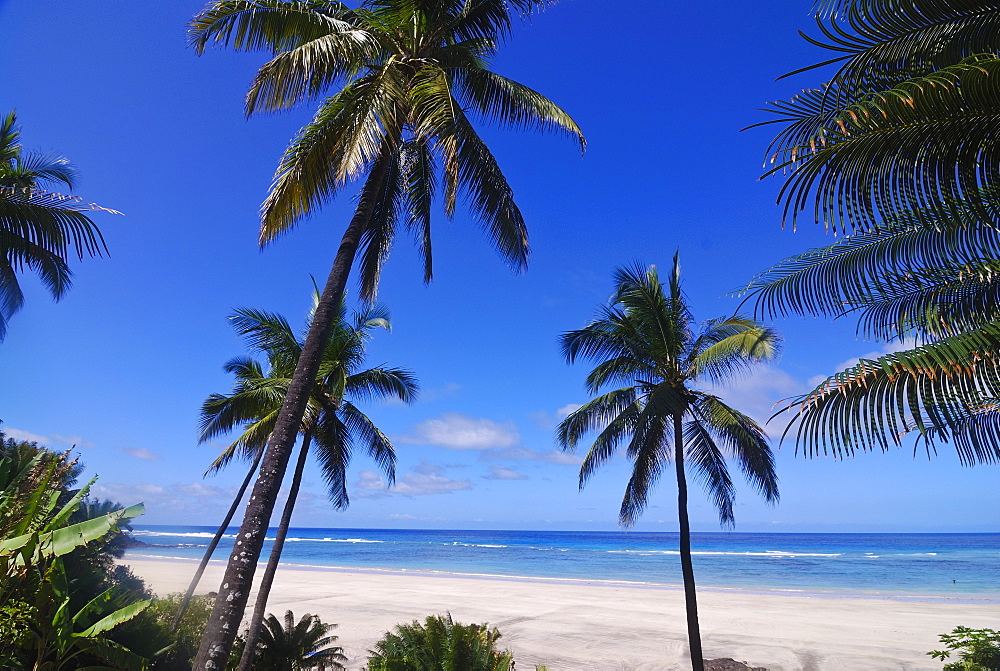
<point>963,566</point>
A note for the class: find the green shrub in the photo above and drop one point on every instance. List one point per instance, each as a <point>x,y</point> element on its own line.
<point>979,649</point>
<point>440,644</point>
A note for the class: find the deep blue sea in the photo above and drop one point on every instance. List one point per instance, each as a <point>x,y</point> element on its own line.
<point>962,566</point>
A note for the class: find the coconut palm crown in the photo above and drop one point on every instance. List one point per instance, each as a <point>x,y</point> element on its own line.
<point>332,421</point>
<point>411,80</point>
<point>647,339</point>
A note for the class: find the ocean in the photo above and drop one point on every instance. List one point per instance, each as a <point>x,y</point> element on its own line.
<point>919,566</point>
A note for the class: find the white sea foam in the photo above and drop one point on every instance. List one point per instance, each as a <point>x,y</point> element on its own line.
<point>193,534</point>
<point>766,553</point>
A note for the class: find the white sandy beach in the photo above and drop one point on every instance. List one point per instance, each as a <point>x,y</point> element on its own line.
<point>572,624</point>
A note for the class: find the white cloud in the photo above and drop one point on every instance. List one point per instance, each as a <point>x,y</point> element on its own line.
<point>141,453</point>
<point>501,473</point>
<point>411,484</point>
<point>888,348</point>
<point>427,468</point>
<point>449,389</point>
<point>567,409</point>
<point>757,393</point>
<point>26,436</point>
<point>75,441</point>
<point>188,499</point>
<point>552,456</point>
<point>460,432</point>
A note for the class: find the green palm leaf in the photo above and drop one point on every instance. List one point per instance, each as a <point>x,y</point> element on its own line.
<point>931,390</point>
<point>879,157</point>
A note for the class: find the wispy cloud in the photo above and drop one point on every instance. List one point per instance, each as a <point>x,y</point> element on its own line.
<point>564,411</point>
<point>411,484</point>
<point>501,473</point>
<point>141,453</point>
<point>757,393</point>
<point>551,456</point>
<point>26,436</point>
<point>186,499</point>
<point>56,441</point>
<point>455,431</point>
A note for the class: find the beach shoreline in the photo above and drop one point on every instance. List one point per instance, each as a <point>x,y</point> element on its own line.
<point>572,623</point>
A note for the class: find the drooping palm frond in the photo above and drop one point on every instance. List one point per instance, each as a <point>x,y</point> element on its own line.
<point>265,25</point>
<point>730,347</point>
<point>740,439</point>
<point>39,230</point>
<point>882,156</point>
<point>924,276</point>
<point>881,44</point>
<point>931,390</point>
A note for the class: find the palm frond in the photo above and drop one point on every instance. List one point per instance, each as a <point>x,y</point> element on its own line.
<point>265,25</point>
<point>740,439</point>
<point>881,156</point>
<point>930,390</point>
<point>383,382</point>
<point>702,454</point>
<point>511,104</point>
<point>732,346</point>
<point>347,133</point>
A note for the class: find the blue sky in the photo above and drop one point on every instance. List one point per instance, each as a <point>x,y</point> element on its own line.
<point>121,365</point>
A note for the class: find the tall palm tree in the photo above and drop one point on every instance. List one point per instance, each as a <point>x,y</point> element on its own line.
<point>898,148</point>
<point>410,77</point>
<point>38,229</point>
<point>646,337</point>
<point>331,426</point>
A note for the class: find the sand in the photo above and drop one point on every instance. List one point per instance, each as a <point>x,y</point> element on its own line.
<point>575,624</point>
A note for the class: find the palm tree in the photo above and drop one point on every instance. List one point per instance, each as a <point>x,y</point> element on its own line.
<point>287,646</point>
<point>898,148</point>
<point>647,337</point>
<point>332,423</point>
<point>408,74</point>
<point>440,644</point>
<point>38,228</point>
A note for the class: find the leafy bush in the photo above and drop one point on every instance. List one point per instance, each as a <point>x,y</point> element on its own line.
<point>979,649</point>
<point>440,644</point>
<point>185,641</point>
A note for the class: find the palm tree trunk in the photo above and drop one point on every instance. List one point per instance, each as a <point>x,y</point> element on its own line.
<point>687,568</point>
<point>250,649</point>
<point>215,542</point>
<point>235,588</point>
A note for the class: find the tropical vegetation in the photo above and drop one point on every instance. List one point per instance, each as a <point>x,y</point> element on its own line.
<point>408,78</point>
<point>60,611</point>
<point>333,426</point>
<point>897,149</point>
<point>287,645</point>
<point>647,339</point>
<point>39,229</point>
<point>978,649</point>
<point>440,644</point>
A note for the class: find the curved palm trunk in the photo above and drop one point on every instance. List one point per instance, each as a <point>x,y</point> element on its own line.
<point>215,542</point>
<point>253,635</point>
<point>687,568</point>
<point>235,588</point>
